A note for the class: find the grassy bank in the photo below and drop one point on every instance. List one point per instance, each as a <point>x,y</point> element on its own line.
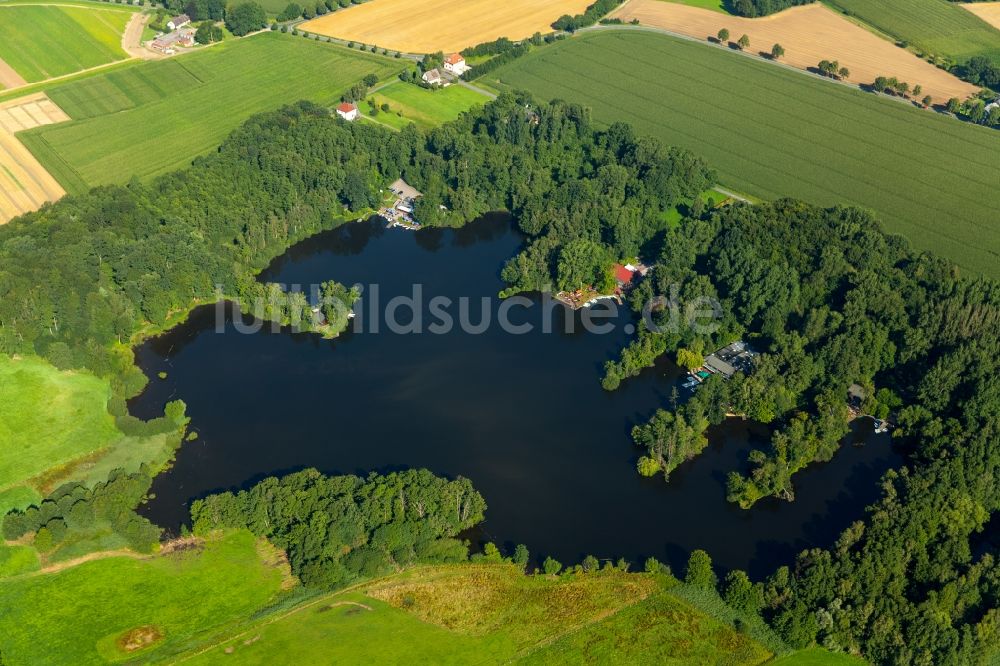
<point>771,132</point>
<point>156,117</point>
<point>427,108</point>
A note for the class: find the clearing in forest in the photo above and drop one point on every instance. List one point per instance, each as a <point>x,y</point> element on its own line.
<point>428,26</point>
<point>809,34</point>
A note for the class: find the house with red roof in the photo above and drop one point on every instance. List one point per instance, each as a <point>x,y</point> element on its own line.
<point>623,275</point>
<point>348,111</point>
<point>455,64</point>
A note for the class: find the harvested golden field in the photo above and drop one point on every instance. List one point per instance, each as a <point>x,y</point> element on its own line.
<point>427,26</point>
<point>808,34</point>
<point>988,11</point>
<point>24,183</point>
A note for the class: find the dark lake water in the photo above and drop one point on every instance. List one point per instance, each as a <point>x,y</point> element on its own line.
<point>523,416</point>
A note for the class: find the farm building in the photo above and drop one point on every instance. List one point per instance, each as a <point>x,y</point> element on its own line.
<point>348,111</point>
<point>432,77</point>
<point>455,64</point>
<point>167,43</point>
<point>178,22</point>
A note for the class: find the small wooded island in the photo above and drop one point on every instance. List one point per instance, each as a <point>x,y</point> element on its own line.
<point>826,298</point>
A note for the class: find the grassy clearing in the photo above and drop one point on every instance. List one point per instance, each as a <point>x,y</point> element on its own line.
<point>493,614</point>
<point>818,657</point>
<point>49,418</point>
<point>83,615</point>
<point>55,427</point>
<point>933,27</point>
<point>40,42</point>
<point>17,560</point>
<point>427,108</point>
<point>157,117</point>
<point>772,132</point>
<point>714,5</point>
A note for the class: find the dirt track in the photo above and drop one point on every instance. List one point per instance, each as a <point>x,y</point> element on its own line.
<point>426,26</point>
<point>808,34</point>
<point>988,11</point>
<point>24,183</point>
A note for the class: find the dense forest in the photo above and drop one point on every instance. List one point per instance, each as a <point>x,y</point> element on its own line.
<point>826,297</point>
<point>755,8</point>
<point>337,529</point>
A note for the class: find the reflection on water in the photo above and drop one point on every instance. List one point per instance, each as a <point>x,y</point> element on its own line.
<point>523,416</point>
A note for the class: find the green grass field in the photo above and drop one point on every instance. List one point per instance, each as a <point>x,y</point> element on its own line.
<point>157,117</point>
<point>933,27</point>
<point>492,614</point>
<point>48,418</point>
<point>40,42</point>
<point>772,132</point>
<point>78,616</point>
<point>427,108</point>
<point>55,427</point>
<point>714,5</point>
<point>818,657</point>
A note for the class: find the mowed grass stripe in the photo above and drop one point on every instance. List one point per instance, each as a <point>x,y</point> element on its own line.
<point>795,166</point>
<point>772,132</point>
<point>122,90</point>
<point>242,77</point>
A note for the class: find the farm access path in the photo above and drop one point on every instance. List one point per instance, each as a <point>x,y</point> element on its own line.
<point>808,33</point>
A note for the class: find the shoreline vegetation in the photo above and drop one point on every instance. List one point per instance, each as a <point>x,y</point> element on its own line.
<point>827,297</point>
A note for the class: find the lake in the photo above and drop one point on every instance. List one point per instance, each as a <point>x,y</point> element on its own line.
<point>521,415</point>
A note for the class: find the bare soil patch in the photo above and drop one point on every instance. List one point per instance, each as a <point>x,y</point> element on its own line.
<point>9,78</point>
<point>808,34</point>
<point>427,26</point>
<point>988,11</point>
<point>139,638</point>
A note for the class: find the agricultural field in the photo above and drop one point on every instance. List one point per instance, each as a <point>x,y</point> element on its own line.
<point>489,614</point>
<point>157,116</point>
<point>40,42</point>
<point>116,608</point>
<point>987,11</point>
<point>427,108</point>
<point>935,27</point>
<point>773,132</point>
<point>428,26</point>
<point>808,34</point>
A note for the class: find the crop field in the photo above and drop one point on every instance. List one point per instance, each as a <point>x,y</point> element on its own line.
<point>935,27</point>
<point>773,132</point>
<point>489,614</point>
<point>40,42</point>
<point>113,609</point>
<point>808,34</point>
<point>427,108</point>
<point>987,11</point>
<point>427,26</point>
<point>158,116</point>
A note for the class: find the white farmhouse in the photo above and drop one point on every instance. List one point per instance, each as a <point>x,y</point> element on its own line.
<point>348,111</point>
<point>432,77</point>
<point>455,64</point>
<point>178,22</point>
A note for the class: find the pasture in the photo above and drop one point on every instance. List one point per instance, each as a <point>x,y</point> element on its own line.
<point>934,27</point>
<point>486,613</point>
<point>808,34</point>
<point>427,108</point>
<point>774,132</point>
<point>158,116</point>
<point>49,418</point>
<point>428,26</point>
<point>40,42</point>
<point>107,610</point>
